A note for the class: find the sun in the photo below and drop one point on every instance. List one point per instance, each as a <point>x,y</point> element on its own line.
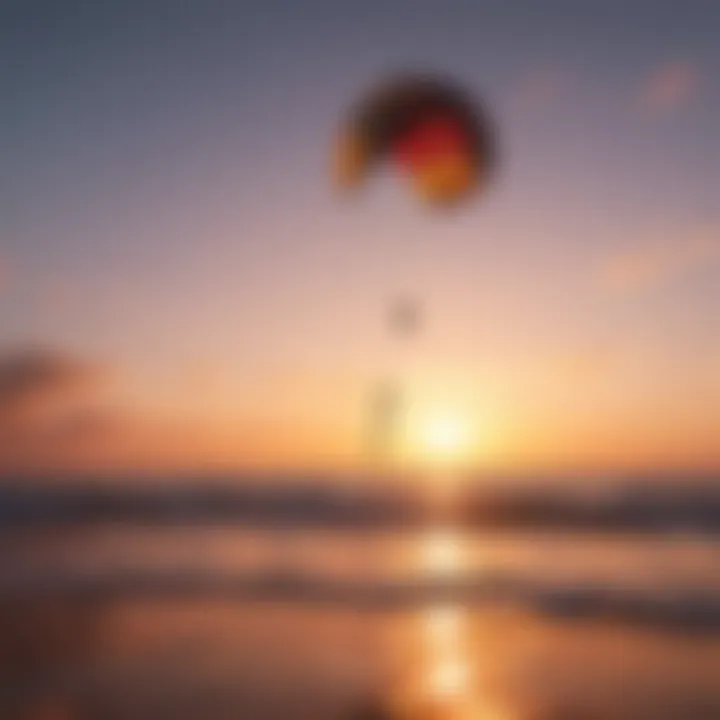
<point>447,438</point>
<point>444,436</point>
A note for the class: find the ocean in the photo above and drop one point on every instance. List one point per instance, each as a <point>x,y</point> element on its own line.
<point>202,600</point>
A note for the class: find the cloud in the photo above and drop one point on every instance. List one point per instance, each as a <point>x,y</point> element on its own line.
<point>648,267</point>
<point>48,401</point>
<point>35,378</point>
<point>670,86</point>
<point>60,413</point>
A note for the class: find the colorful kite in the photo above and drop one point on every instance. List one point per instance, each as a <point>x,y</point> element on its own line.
<point>428,127</point>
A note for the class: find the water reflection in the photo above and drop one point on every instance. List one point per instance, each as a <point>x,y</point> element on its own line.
<point>447,679</point>
<point>442,626</point>
<point>616,627</point>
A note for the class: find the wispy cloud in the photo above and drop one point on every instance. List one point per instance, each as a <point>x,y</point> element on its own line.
<point>59,412</point>
<point>670,86</point>
<point>650,266</point>
<point>48,401</point>
<point>36,378</point>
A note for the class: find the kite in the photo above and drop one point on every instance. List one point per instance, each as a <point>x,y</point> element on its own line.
<point>430,128</point>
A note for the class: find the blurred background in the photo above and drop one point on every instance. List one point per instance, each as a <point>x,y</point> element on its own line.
<point>194,339</point>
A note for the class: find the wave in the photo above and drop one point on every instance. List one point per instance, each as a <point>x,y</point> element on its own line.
<point>641,507</point>
<point>686,611</point>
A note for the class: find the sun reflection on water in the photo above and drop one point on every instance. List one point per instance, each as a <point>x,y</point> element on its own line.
<point>444,627</point>
<point>446,688</point>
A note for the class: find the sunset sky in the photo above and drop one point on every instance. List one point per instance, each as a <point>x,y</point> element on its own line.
<point>180,286</point>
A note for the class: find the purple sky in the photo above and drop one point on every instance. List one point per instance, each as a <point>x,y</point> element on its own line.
<point>166,209</point>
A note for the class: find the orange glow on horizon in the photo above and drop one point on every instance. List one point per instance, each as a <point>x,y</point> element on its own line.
<point>302,425</point>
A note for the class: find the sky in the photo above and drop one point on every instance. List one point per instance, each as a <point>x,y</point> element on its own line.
<point>182,287</point>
